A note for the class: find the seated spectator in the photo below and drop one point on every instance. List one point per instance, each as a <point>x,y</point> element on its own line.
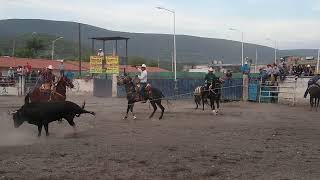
<point>10,74</point>
<point>263,75</point>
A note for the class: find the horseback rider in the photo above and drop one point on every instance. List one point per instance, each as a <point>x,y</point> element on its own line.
<point>313,81</point>
<point>48,78</point>
<point>210,78</point>
<point>143,77</point>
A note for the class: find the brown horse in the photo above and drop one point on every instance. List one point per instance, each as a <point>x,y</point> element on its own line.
<point>57,94</point>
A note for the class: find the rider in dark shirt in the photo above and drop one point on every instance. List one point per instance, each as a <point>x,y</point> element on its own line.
<point>210,78</point>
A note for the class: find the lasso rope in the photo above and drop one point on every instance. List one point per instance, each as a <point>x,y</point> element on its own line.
<point>185,94</point>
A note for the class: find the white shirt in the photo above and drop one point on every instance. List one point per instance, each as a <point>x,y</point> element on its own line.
<point>100,54</point>
<point>144,76</point>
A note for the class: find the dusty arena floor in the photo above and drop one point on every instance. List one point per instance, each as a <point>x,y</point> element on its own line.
<point>248,141</point>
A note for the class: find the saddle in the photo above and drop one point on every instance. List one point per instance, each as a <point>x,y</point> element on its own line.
<point>148,90</point>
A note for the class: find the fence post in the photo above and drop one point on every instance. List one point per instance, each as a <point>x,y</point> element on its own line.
<point>114,86</point>
<point>245,90</point>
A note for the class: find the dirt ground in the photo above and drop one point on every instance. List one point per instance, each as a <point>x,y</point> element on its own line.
<point>248,141</point>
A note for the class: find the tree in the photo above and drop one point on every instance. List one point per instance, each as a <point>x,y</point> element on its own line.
<point>24,53</point>
<point>136,61</point>
<point>35,45</point>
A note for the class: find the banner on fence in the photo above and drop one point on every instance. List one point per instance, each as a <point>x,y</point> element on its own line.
<point>96,64</point>
<point>112,63</point>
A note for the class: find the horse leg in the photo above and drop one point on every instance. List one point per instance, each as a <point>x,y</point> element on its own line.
<point>131,109</point>
<point>317,103</point>
<point>202,98</point>
<point>196,101</point>
<point>39,129</point>
<point>311,103</point>
<point>128,108</point>
<point>213,108</point>
<point>154,108</point>
<point>46,127</point>
<point>158,102</point>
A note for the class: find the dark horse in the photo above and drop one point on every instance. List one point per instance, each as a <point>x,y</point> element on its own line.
<point>314,92</point>
<point>57,94</point>
<point>154,95</point>
<point>213,93</point>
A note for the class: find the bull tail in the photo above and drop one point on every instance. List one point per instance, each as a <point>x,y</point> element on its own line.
<point>88,112</point>
<point>83,105</point>
<point>27,98</point>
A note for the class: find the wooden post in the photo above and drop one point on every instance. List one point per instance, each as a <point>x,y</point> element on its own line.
<point>245,90</point>
<point>114,86</point>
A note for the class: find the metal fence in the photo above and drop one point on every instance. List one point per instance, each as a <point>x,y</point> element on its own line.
<point>231,90</point>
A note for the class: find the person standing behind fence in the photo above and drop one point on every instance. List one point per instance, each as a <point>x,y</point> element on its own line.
<point>100,53</point>
<point>245,69</point>
<point>275,72</point>
<point>61,68</point>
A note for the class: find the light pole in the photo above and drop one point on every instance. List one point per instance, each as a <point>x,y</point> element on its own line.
<point>52,51</point>
<point>174,40</point>
<point>233,29</point>
<point>275,49</point>
<point>318,61</point>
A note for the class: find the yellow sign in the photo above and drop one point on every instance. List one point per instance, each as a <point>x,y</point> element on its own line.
<point>96,64</point>
<point>112,64</point>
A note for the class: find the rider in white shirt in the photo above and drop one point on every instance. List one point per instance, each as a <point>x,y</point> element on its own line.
<point>143,81</point>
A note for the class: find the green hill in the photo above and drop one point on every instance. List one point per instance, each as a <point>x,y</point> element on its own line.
<point>190,49</point>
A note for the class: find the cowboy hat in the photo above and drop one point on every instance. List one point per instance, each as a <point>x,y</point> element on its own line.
<point>144,66</point>
<point>50,67</point>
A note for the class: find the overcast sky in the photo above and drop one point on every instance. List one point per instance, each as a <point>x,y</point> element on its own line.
<point>293,23</point>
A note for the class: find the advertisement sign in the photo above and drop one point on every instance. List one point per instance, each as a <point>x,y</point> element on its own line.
<point>112,64</point>
<point>96,64</point>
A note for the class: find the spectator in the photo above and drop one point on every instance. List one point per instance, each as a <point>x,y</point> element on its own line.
<point>33,75</point>
<point>269,70</point>
<point>28,68</point>
<point>19,71</point>
<point>245,69</point>
<point>229,75</point>
<point>263,75</point>
<point>308,71</point>
<point>100,53</point>
<point>10,74</point>
<point>275,71</point>
<point>61,68</point>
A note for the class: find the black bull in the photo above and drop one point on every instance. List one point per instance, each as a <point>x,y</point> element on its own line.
<point>41,114</point>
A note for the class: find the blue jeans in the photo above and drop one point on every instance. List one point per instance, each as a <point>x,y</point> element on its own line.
<point>142,89</point>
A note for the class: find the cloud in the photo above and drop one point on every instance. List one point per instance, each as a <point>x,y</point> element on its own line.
<point>191,18</point>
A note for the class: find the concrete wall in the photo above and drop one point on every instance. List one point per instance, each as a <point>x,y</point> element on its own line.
<point>292,89</point>
<point>82,86</point>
